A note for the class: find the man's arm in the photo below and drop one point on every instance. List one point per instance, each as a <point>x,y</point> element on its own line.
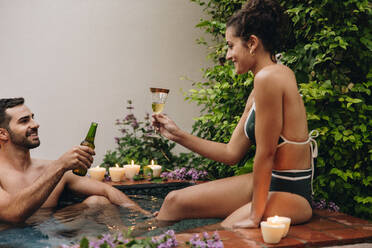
<point>87,186</point>
<point>18,207</point>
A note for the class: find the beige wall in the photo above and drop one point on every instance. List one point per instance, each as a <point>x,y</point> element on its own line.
<point>77,61</point>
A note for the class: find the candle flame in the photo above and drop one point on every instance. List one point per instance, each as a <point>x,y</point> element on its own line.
<point>152,162</point>
<point>132,162</point>
<point>117,166</point>
<point>274,220</point>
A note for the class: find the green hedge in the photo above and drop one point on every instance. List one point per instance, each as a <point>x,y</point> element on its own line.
<point>330,53</point>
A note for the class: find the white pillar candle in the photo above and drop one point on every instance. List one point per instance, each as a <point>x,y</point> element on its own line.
<point>272,233</point>
<point>97,173</point>
<point>131,170</point>
<point>281,220</point>
<point>116,173</point>
<point>156,169</point>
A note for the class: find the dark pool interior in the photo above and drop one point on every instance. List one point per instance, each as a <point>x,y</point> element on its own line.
<point>67,225</point>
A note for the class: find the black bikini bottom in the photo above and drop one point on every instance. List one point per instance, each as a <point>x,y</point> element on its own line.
<point>292,181</point>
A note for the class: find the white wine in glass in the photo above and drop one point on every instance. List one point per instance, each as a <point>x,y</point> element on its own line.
<point>157,108</point>
<point>158,98</point>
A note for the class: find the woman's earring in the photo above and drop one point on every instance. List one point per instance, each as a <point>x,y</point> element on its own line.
<point>252,53</point>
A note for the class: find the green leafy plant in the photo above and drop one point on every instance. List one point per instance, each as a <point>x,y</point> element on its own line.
<point>330,53</point>
<point>139,142</point>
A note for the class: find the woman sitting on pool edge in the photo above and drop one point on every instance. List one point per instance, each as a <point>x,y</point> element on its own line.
<point>274,120</point>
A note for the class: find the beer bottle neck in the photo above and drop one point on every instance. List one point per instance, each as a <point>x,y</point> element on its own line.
<point>91,133</point>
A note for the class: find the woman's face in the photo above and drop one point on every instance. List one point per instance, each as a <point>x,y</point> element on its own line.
<point>238,52</point>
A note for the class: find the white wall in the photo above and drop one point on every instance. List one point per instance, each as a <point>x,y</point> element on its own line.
<point>78,61</point>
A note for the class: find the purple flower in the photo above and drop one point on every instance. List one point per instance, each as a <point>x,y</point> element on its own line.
<point>333,207</point>
<point>184,174</point>
<point>121,239</point>
<point>166,240</point>
<point>322,204</point>
<point>195,237</point>
<point>199,244</point>
<point>135,124</point>
<point>205,235</point>
<point>216,236</point>
<point>210,243</point>
<point>170,233</point>
<point>218,244</point>
<point>109,240</point>
<point>207,241</point>
<point>96,244</point>
<point>164,174</point>
<point>164,245</point>
<point>169,243</point>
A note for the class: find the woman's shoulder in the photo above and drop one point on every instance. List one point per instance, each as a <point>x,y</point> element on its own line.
<point>274,71</point>
<point>275,74</point>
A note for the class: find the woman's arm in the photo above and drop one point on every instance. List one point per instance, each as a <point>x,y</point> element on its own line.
<point>230,153</point>
<point>268,126</point>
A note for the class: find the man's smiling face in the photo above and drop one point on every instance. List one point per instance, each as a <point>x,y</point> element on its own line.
<point>23,129</point>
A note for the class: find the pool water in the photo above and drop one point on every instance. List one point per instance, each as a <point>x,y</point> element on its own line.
<point>68,225</point>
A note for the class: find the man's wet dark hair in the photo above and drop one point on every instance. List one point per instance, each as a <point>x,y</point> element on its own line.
<point>263,18</point>
<point>6,103</point>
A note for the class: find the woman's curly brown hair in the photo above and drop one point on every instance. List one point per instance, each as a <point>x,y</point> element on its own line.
<point>263,18</point>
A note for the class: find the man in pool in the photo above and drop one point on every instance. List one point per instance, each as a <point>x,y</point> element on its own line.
<point>28,184</point>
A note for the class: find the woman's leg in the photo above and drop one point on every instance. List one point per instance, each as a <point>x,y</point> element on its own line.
<point>278,203</point>
<point>215,199</point>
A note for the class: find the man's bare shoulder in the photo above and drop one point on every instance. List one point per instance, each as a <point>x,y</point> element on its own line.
<point>37,162</point>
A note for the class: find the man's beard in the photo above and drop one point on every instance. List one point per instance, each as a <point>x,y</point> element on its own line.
<point>23,141</point>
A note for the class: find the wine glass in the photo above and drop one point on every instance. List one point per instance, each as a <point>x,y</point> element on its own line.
<point>158,98</point>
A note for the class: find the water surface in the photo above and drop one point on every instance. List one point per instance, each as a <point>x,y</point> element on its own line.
<point>52,228</point>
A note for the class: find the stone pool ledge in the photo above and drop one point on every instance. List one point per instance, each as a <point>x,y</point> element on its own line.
<point>149,187</point>
<point>146,183</point>
<point>325,229</point>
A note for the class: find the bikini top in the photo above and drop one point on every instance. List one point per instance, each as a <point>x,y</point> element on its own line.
<point>249,130</point>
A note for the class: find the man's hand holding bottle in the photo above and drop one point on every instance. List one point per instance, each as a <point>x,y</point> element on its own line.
<point>79,157</point>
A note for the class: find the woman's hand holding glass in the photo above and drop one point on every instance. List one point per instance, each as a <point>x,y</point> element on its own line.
<point>166,126</point>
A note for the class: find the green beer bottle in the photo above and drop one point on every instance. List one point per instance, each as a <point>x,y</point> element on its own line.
<point>88,141</point>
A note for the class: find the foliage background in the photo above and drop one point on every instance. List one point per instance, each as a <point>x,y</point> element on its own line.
<point>329,49</point>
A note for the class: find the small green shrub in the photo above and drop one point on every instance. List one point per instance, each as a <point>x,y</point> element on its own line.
<point>139,142</point>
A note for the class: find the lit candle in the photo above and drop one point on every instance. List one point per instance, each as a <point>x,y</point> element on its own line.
<point>131,170</point>
<point>156,169</point>
<point>272,233</point>
<point>116,173</point>
<point>97,173</point>
<point>281,220</point>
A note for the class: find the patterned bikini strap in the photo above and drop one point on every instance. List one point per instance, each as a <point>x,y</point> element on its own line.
<point>314,153</point>
<point>313,148</point>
